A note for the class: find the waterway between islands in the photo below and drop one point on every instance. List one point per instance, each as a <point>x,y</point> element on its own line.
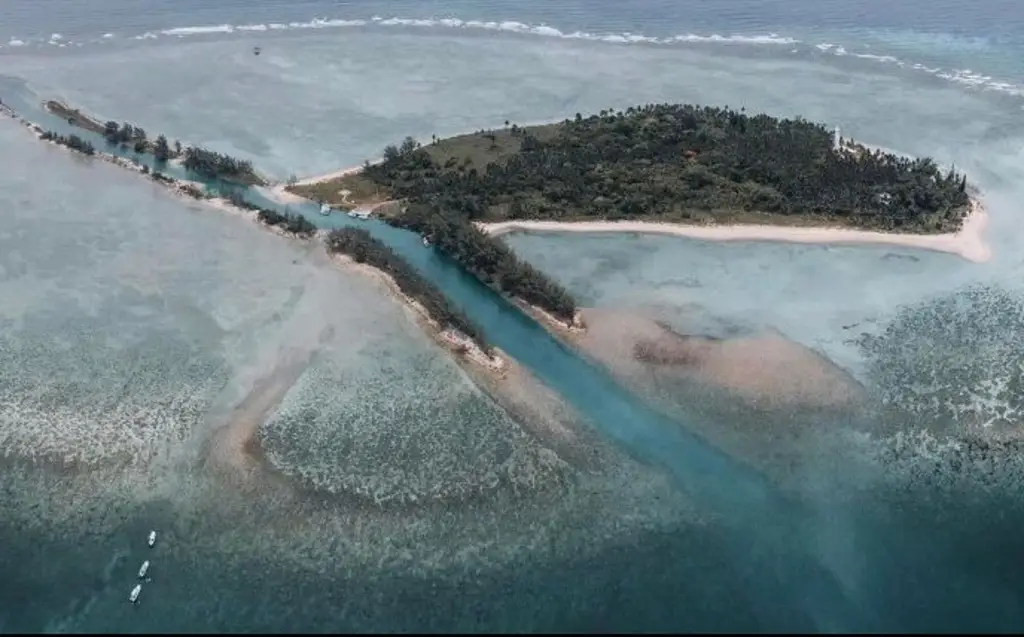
<point>767,528</point>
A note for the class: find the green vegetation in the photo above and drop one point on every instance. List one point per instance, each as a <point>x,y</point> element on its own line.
<point>674,163</point>
<point>474,150</point>
<point>214,165</point>
<point>74,142</point>
<point>161,150</point>
<point>290,222</point>
<point>126,135</point>
<point>203,162</point>
<point>193,191</point>
<point>162,178</point>
<point>287,221</point>
<point>679,163</point>
<point>363,248</point>
<point>487,258</point>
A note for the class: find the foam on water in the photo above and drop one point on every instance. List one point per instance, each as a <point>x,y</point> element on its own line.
<point>403,408</point>
<point>913,43</point>
<point>418,94</point>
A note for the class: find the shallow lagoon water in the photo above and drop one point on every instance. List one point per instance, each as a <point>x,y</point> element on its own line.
<point>289,550</point>
<point>141,319</point>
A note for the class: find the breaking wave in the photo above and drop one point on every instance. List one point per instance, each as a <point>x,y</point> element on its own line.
<point>965,77</point>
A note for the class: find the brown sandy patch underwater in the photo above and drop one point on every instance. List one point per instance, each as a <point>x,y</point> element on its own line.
<point>765,370</point>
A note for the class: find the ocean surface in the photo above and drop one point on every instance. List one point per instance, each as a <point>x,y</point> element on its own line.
<point>400,496</point>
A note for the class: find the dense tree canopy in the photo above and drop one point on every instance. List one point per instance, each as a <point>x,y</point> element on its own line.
<point>161,150</point>
<point>126,134</point>
<point>214,165</point>
<point>676,162</point>
<point>287,221</point>
<point>363,248</point>
<point>487,258</point>
<point>74,142</point>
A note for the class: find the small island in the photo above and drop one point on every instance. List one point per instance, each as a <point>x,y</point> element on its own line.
<point>205,163</point>
<point>665,163</point>
<point>677,169</point>
<point>361,247</point>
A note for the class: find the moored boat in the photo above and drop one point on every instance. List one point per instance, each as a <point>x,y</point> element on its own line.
<point>133,597</point>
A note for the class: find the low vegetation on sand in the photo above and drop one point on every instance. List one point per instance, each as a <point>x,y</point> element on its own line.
<point>74,142</point>
<point>205,163</point>
<point>74,117</point>
<point>287,221</point>
<point>363,248</point>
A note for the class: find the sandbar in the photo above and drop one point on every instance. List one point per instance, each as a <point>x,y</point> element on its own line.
<point>337,174</point>
<point>968,243</point>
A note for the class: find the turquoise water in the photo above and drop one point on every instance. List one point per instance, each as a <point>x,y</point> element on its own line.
<point>765,530</point>
<point>700,468</point>
<point>875,544</point>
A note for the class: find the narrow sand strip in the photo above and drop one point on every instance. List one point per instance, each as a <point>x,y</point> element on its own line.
<point>338,174</point>
<point>968,243</point>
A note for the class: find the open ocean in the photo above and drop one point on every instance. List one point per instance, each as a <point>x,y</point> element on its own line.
<point>401,497</point>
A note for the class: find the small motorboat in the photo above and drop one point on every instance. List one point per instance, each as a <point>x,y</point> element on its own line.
<point>143,569</point>
<point>325,210</point>
<point>134,596</point>
<point>152,539</point>
<point>352,213</point>
<point>426,242</point>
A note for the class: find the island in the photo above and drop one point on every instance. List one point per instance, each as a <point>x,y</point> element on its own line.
<point>361,247</point>
<point>668,162</point>
<point>203,162</point>
<point>673,168</point>
<point>694,171</point>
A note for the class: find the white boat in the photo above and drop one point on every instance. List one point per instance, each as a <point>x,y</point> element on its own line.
<point>325,209</point>
<point>152,539</point>
<point>134,596</point>
<point>426,242</point>
<point>143,569</point>
<point>352,213</point>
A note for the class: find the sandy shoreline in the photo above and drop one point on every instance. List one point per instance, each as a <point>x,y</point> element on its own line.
<point>337,174</point>
<point>968,243</point>
<point>452,340</point>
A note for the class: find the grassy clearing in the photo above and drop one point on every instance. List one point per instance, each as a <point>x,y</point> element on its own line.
<point>472,150</point>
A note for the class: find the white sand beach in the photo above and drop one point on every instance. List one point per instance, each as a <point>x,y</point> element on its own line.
<point>449,338</point>
<point>337,174</point>
<point>968,243</point>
